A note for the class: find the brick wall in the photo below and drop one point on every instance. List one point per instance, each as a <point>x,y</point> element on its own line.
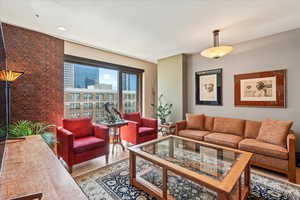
<point>38,94</point>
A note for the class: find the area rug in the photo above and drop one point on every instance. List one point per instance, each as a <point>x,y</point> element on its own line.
<point>112,183</point>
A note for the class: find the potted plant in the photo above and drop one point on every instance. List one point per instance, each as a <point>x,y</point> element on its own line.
<point>162,110</point>
<point>23,128</point>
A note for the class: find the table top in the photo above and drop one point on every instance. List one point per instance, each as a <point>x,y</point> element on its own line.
<point>31,167</point>
<point>171,125</point>
<point>211,161</point>
<point>115,124</point>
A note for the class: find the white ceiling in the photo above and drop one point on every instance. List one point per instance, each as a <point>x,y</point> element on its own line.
<point>153,29</point>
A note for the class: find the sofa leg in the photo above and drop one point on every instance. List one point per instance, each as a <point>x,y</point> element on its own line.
<point>292,176</point>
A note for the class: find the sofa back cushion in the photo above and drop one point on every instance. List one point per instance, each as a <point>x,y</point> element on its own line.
<point>195,121</point>
<point>209,123</point>
<point>229,125</point>
<point>81,127</point>
<point>274,132</point>
<point>252,129</point>
<point>134,116</point>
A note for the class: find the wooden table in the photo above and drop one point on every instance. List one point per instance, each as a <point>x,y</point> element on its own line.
<point>195,165</point>
<point>167,129</point>
<point>31,167</point>
<point>115,132</point>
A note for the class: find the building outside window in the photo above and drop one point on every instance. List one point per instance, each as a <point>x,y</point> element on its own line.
<point>87,88</point>
<point>88,105</point>
<point>75,96</point>
<point>74,106</point>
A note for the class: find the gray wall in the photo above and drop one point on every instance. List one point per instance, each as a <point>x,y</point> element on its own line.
<point>280,51</point>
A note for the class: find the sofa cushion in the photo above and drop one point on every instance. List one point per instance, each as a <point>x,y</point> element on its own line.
<point>84,144</point>
<point>134,116</point>
<point>229,125</point>
<point>252,129</point>
<point>274,132</point>
<point>208,123</point>
<point>256,146</point>
<point>143,131</point>
<point>223,139</point>
<point>80,127</point>
<point>195,121</point>
<point>193,134</point>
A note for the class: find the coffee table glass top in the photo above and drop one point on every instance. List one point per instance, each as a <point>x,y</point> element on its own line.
<point>204,159</point>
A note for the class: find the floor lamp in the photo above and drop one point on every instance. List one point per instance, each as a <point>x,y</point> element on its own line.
<point>7,77</point>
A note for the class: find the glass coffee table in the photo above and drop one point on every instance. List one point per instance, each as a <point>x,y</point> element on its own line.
<point>173,167</point>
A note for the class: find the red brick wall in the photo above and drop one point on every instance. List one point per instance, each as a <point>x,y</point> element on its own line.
<point>38,94</point>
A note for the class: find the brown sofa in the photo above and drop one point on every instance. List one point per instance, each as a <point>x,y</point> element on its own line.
<point>242,134</point>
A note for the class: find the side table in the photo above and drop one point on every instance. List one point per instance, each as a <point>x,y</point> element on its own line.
<point>167,129</point>
<point>114,135</point>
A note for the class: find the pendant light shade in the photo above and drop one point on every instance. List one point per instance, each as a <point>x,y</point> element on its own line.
<point>217,51</point>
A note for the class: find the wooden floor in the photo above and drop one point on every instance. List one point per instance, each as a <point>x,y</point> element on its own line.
<point>119,155</point>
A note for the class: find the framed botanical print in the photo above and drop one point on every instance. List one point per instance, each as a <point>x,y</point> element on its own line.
<point>261,89</point>
<point>209,87</point>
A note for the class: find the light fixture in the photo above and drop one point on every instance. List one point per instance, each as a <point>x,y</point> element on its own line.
<point>217,51</point>
<point>61,28</point>
<point>9,75</point>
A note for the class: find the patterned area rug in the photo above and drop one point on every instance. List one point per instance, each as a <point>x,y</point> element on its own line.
<point>112,183</point>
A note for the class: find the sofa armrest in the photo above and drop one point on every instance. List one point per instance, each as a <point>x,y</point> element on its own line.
<point>291,145</point>
<point>149,122</point>
<point>291,142</point>
<point>181,125</point>
<point>65,143</point>
<point>101,132</point>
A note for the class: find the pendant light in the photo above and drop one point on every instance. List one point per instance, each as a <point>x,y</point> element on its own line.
<point>217,51</point>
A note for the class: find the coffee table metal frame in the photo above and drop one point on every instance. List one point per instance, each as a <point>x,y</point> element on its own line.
<point>224,188</point>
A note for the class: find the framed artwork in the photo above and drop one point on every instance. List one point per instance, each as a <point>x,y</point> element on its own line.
<point>209,87</point>
<point>261,89</point>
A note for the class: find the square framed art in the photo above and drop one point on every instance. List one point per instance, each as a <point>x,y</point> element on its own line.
<point>208,87</point>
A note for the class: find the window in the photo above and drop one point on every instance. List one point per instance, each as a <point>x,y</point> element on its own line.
<point>75,96</point>
<point>88,105</point>
<point>130,92</point>
<point>89,84</point>
<point>74,106</point>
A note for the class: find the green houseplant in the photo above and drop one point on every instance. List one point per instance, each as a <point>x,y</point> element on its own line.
<point>23,128</point>
<point>162,110</point>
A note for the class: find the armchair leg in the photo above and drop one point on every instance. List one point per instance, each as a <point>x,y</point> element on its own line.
<point>106,158</point>
<point>70,168</point>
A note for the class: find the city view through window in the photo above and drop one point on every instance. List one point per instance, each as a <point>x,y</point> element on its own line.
<point>88,88</point>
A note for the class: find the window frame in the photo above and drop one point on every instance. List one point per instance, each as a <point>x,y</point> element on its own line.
<point>121,69</point>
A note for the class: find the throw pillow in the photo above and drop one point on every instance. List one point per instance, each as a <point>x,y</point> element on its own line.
<point>195,121</point>
<point>274,132</point>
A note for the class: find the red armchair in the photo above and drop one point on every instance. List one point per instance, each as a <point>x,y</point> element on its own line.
<point>80,140</point>
<point>139,129</point>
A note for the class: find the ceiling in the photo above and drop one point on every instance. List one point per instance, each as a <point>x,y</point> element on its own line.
<point>153,29</point>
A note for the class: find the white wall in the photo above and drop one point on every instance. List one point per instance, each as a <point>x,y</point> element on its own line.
<point>280,51</point>
<point>171,83</point>
<point>149,76</point>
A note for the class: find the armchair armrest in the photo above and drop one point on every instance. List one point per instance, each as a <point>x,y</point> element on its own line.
<point>102,132</point>
<point>291,146</point>
<point>131,129</point>
<point>149,122</point>
<point>181,125</point>
<point>65,142</point>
